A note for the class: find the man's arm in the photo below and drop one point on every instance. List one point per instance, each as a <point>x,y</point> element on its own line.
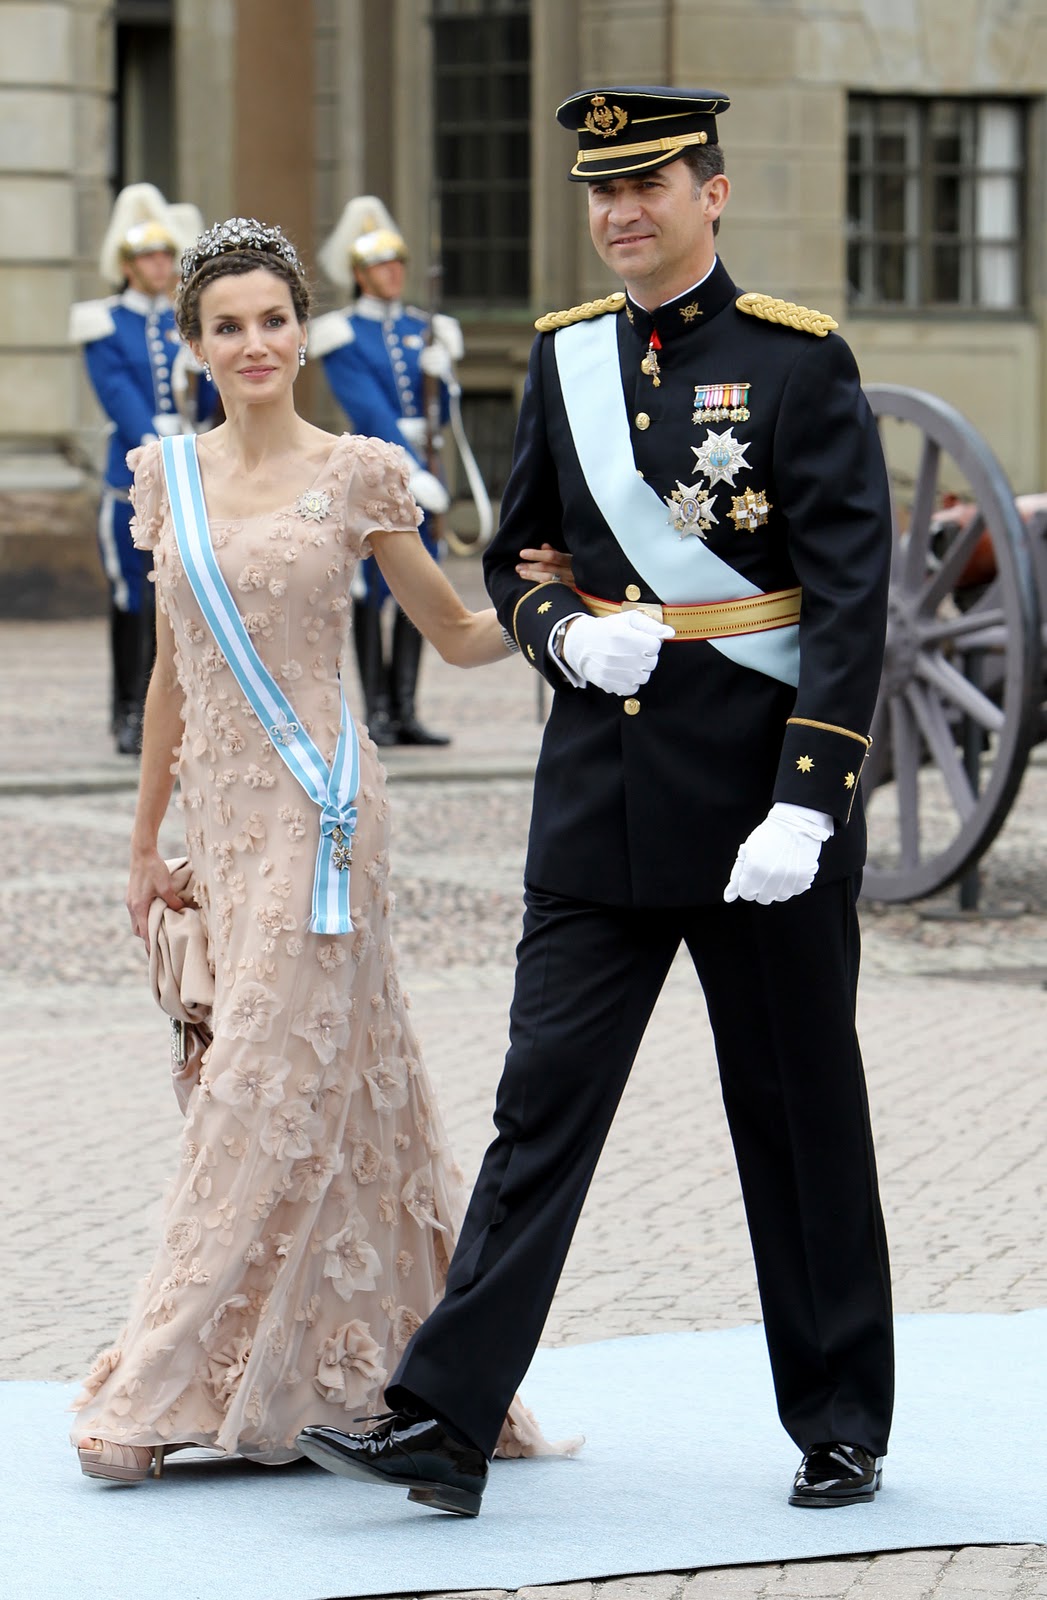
<point>361,396</point>
<point>118,394</point>
<point>833,488</point>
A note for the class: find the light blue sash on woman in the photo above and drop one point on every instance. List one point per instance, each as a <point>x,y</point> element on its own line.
<point>680,571</point>
<point>333,791</point>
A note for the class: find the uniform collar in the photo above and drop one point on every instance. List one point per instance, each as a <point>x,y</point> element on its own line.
<point>377,310</point>
<point>692,309</point>
<point>135,300</point>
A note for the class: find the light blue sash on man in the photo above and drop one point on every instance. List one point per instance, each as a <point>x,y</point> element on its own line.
<point>680,571</point>
<point>334,790</point>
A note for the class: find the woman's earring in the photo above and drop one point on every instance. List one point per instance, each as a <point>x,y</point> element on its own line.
<point>207,372</point>
<point>301,355</point>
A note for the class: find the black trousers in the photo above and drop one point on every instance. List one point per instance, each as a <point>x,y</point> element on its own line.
<point>779,984</point>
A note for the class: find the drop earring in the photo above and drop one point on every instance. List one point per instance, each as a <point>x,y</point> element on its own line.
<point>301,355</point>
<point>207,372</point>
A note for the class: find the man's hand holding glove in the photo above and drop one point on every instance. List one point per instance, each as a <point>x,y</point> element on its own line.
<point>780,857</point>
<point>616,654</point>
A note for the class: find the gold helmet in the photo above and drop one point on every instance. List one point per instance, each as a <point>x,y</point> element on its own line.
<point>366,236</point>
<point>139,224</point>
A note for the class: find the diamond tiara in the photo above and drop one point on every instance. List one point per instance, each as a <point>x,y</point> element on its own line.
<point>238,233</point>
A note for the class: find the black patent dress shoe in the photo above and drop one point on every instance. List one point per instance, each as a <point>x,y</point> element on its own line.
<point>836,1475</point>
<point>410,1453</point>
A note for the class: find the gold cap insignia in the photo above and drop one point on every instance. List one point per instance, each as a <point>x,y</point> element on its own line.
<point>605,120</point>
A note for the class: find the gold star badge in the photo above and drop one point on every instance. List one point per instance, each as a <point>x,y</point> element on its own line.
<point>545,606</point>
<point>804,764</point>
<point>750,510</point>
<point>530,651</point>
<point>849,781</point>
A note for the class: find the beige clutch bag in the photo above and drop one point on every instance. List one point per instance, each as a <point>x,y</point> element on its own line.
<point>181,979</point>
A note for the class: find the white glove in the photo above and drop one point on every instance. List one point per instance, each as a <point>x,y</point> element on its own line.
<point>414,431</point>
<point>436,363</point>
<point>167,424</point>
<point>428,491</point>
<point>448,332</point>
<point>616,653</point>
<point>780,857</point>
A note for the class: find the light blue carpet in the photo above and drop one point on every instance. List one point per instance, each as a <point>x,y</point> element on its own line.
<point>684,1466</point>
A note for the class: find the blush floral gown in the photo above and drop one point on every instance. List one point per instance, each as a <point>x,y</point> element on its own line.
<point>310,1227</point>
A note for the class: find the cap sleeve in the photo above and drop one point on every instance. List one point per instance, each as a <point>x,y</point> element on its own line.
<point>387,505</point>
<point>148,495</point>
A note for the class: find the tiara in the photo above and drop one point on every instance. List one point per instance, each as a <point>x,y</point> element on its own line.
<point>238,233</point>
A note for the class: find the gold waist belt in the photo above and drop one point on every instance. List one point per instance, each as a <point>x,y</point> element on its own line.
<point>717,619</point>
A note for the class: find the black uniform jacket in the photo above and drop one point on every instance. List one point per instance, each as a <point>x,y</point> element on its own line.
<point>648,806</point>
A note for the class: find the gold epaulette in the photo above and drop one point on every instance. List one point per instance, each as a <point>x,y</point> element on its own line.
<point>790,315</point>
<point>592,308</point>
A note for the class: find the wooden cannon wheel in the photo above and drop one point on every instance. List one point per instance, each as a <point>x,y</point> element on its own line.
<point>959,697</point>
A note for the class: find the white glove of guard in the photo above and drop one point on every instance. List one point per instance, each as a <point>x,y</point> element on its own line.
<point>428,491</point>
<point>436,363</point>
<point>780,857</point>
<point>414,431</point>
<point>448,332</point>
<point>616,653</point>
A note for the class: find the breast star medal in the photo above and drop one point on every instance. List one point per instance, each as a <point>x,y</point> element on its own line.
<point>750,510</point>
<point>721,457</point>
<point>313,506</point>
<point>690,509</point>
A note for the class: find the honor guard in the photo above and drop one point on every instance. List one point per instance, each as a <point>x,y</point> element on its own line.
<point>709,460</point>
<point>377,354</point>
<point>130,345</point>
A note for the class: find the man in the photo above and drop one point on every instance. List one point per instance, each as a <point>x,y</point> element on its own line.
<point>718,479</point>
<point>130,343</point>
<point>379,356</point>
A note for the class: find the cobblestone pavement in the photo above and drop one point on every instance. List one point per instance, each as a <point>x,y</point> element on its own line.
<point>952,1014</point>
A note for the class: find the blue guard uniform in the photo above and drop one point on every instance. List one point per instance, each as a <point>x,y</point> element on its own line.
<point>377,354</point>
<point>130,342</point>
<point>372,359</point>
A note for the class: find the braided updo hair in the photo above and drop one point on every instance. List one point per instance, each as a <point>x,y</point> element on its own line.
<point>233,248</point>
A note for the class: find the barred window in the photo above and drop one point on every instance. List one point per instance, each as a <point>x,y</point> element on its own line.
<point>482,160</point>
<point>935,203</point>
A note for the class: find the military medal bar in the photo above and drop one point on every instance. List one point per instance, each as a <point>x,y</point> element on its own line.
<point>721,402</point>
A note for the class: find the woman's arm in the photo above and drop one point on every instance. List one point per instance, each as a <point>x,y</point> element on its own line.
<point>464,638</point>
<point>161,740</point>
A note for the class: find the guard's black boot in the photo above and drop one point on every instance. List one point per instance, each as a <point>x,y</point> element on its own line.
<point>413,1453</point>
<point>367,636</point>
<point>407,655</point>
<point>127,693</point>
<point>836,1475</point>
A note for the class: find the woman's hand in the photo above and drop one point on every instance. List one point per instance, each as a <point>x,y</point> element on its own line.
<point>538,566</point>
<point>148,880</point>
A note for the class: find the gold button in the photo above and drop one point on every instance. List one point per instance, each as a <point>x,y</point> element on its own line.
<point>632,592</point>
<point>632,708</point>
<point>643,421</point>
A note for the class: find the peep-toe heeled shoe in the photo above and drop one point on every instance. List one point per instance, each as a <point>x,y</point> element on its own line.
<point>124,1463</point>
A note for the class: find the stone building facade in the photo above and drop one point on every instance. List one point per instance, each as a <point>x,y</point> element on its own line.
<point>887,158</point>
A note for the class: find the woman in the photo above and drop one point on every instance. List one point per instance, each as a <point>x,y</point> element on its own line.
<point>312,1222</point>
